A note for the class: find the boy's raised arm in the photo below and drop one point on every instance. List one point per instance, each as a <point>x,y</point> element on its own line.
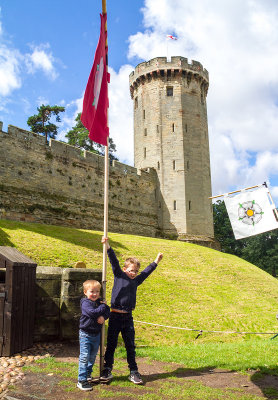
<point>112,258</point>
<point>158,258</point>
<point>150,268</point>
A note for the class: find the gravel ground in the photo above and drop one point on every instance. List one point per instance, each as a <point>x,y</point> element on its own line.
<point>11,367</point>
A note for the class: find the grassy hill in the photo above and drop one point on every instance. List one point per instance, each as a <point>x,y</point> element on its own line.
<point>193,287</point>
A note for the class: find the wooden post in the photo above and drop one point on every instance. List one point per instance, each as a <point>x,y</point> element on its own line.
<point>105,223</point>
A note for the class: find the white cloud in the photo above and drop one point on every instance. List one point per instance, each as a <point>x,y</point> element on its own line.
<point>68,117</point>
<point>12,62</point>
<point>9,70</point>
<point>237,42</point>
<point>42,100</point>
<point>121,113</point>
<point>41,58</point>
<point>274,192</point>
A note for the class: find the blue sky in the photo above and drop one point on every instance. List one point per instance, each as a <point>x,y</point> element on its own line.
<point>47,50</point>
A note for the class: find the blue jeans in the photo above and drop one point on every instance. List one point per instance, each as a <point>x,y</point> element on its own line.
<point>120,323</point>
<point>89,345</point>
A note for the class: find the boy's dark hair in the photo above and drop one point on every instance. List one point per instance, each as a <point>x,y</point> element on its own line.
<point>132,261</point>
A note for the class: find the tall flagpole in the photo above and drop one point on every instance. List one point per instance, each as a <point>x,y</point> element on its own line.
<point>105,222</point>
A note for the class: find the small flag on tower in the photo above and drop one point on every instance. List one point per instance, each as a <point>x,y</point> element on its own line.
<point>171,37</point>
<point>95,102</point>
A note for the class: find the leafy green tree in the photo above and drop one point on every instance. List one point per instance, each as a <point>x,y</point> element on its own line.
<point>78,136</point>
<point>40,123</point>
<point>260,250</point>
<point>223,230</point>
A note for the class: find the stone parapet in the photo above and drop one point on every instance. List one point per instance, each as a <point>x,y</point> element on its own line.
<point>71,293</point>
<point>58,294</point>
<point>160,67</point>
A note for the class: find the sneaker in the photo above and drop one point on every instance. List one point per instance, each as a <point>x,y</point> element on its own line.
<point>135,377</point>
<point>84,385</point>
<point>106,375</point>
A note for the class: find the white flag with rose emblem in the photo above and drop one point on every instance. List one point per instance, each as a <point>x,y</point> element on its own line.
<point>251,213</point>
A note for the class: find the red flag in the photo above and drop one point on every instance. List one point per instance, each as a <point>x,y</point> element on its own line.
<point>95,102</point>
<point>171,37</point>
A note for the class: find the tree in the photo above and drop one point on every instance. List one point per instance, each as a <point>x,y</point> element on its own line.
<point>223,230</point>
<point>78,136</point>
<point>260,250</point>
<point>40,123</point>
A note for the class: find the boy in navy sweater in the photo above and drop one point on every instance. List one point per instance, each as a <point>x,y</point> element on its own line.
<point>123,301</point>
<point>93,314</point>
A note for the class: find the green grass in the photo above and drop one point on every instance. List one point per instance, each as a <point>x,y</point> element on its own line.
<point>193,287</point>
<point>192,390</point>
<point>258,355</point>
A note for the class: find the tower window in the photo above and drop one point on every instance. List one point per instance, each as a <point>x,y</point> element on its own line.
<point>175,205</point>
<point>173,127</point>
<point>185,127</point>
<point>157,128</point>
<point>145,132</point>
<point>189,205</point>
<point>187,165</point>
<point>136,102</point>
<point>145,152</point>
<point>158,165</point>
<point>174,164</point>
<point>144,114</point>
<point>169,90</point>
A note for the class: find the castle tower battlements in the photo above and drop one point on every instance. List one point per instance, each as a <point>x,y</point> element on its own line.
<point>159,67</point>
<point>171,136</point>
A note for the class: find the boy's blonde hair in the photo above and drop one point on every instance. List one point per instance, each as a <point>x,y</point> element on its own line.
<point>91,283</point>
<point>132,261</point>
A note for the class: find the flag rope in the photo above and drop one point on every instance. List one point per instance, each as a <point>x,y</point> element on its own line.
<point>204,331</point>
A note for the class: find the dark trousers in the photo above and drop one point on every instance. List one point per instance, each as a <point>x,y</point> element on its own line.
<point>120,323</point>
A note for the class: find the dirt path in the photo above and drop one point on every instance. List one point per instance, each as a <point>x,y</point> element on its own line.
<point>160,379</point>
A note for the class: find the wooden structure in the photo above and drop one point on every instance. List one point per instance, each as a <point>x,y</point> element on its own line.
<point>17,301</point>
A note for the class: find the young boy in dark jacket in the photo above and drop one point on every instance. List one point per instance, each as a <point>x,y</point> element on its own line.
<point>93,315</point>
<point>123,301</point>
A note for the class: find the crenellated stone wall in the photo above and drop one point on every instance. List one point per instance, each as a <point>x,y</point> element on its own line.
<point>58,184</point>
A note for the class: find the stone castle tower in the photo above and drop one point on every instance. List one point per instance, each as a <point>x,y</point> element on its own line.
<point>171,136</point>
